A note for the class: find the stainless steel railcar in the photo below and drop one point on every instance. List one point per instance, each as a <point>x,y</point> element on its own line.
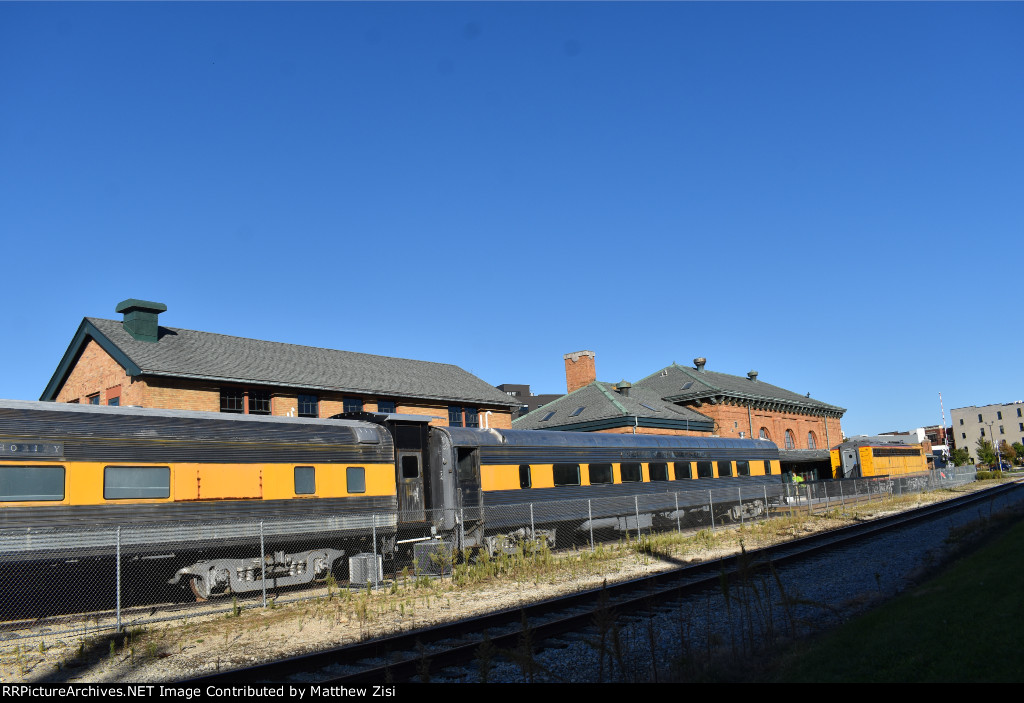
<point>81,482</point>
<point>565,483</point>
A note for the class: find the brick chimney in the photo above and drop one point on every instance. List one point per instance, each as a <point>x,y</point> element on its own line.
<point>140,318</point>
<point>579,370</point>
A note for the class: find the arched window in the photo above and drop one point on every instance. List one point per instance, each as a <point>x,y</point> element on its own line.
<point>764,434</point>
<point>790,443</point>
<point>810,441</point>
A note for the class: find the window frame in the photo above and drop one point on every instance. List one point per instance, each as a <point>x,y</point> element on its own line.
<point>295,480</point>
<point>564,467</point>
<point>348,479</point>
<point>116,469</point>
<point>32,498</point>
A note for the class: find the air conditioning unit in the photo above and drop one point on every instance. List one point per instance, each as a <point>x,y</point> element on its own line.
<point>365,569</point>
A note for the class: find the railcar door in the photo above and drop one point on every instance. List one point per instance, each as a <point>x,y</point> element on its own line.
<point>849,462</point>
<point>410,486</point>
<point>410,470</point>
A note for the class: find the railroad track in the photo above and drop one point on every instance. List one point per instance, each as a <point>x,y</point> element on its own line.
<point>423,653</point>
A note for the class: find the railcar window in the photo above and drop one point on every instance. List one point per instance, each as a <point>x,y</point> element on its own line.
<point>742,468</point>
<point>658,472</point>
<point>410,466</point>
<point>566,474</point>
<point>631,472</point>
<point>704,470</point>
<point>123,482</point>
<point>21,483</point>
<point>724,469</point>
<point>525,480</point>
<point>305,480</point>
<point>684,470</point>
<point>600,473</point>
<point>767,467</point>
<point>355,479</point>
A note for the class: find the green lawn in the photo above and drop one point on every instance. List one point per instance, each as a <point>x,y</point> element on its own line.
<point>966,624</point>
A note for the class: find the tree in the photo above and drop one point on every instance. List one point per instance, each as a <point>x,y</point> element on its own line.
<point>1018,449</point>
<point>961,457</point>
<point>986,454</point>
<point>1008,452</point>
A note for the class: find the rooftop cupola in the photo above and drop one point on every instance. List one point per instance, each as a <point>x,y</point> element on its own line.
<point>140,318</point>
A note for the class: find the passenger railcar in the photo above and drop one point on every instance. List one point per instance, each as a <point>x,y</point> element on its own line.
<point>193,483</point>
<point>871,458</point>
<point>79,482</point>
<point>569,482</point>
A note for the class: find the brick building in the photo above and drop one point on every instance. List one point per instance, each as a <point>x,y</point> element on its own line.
<point>682,400</point>
<point>136,361</point>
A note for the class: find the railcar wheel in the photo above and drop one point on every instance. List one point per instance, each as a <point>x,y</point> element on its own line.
<point>200,589</point>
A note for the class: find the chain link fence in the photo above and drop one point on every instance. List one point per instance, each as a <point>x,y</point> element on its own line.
<point>61,582</point>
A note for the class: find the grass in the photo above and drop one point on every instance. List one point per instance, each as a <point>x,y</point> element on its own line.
<point>962,625</point>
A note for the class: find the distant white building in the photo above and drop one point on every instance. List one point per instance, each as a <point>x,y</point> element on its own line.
<point>996,423</point>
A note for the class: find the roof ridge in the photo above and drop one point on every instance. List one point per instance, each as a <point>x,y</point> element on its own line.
<point>696,377</point>
<point>608,394</point>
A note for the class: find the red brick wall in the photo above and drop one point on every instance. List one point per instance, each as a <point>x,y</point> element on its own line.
<point>172,394</point>
<point>731,419</point>
<point>95,371</point>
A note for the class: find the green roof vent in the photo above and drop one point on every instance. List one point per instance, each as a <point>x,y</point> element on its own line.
<point>140,318</point>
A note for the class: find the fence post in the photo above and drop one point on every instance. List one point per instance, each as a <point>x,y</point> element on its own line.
<point>636,509</point>
<point>373,528</point>
<point>679,528</point>
<point>765,501</point>
<point>590,515</point>
<point>842,498</point>
<point>533,532</point>
<point>462,527</point>
<point>711,509</point>
<point>739,492</point>
<point>117,565</point>
<point>263,566</point>
<point>827,505</point>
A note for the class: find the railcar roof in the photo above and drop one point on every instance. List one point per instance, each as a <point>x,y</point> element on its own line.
<point>462,436</point>
<point>133,411</point>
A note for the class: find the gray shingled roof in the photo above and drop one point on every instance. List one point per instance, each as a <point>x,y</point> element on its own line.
<point>671,382</point>
<point>600,401</point>
<point>183,353</point>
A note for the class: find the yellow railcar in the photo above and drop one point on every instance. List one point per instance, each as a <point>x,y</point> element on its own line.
<point>871,458</point>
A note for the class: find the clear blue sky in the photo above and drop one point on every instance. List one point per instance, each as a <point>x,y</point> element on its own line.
<point>829,193</point>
